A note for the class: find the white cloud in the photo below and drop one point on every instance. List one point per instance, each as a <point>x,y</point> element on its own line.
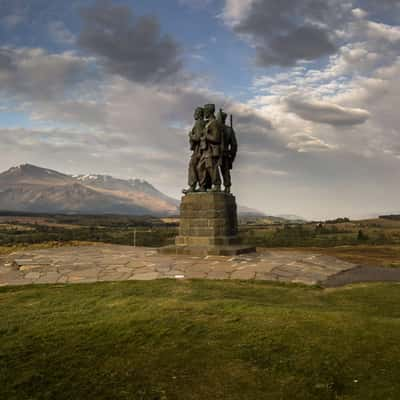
<point>304,143</point>
<point>383,31</point>
<point>359,13</point>
<point>236,10</point>
<point>60,34</point>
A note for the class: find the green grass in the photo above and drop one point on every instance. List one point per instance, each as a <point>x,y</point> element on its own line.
<point>376,232</point>
<point>153,232</point>
<point>199,340</point>
<point>151,237</point>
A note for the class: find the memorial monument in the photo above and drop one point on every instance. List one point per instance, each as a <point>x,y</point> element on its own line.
<point>208,214</point>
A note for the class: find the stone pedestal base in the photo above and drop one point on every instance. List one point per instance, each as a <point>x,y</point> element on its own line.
<point>208,226</point>
<point>207,251</point>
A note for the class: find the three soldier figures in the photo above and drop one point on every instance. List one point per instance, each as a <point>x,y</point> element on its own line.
<point>214,148</point>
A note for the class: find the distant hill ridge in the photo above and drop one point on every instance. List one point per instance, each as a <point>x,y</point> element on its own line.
<point>29,188</point>
<point>35,189</point>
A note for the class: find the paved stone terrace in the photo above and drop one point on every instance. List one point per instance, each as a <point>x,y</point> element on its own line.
<point>118,263</point>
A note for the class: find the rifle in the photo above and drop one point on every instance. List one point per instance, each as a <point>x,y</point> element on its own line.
<point>231,155</point>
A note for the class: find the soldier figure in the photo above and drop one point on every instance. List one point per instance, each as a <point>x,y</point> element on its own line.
<point>195,136</point>
<point>229,150</point>
<point>211,151</point>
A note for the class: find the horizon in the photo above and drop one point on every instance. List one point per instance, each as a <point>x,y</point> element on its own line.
<point>109,88</point>
<point>288,216</point>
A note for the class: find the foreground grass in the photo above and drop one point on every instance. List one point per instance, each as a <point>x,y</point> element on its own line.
<point>199,340</point>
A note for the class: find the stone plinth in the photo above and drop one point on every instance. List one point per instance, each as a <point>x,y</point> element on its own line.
<point>208,225</point>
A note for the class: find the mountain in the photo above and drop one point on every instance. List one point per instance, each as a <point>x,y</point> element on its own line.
<point>35,189</point>
<point>32,175</point>
<point>135,187</point>
<point>29,188</point>
<point>249,212</point>
<point>291,217</point>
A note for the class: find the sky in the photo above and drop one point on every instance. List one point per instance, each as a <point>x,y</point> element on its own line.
<point>110,86</point>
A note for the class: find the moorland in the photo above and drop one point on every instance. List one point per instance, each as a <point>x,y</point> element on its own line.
<point>374,242</point>
<point>198,339</point>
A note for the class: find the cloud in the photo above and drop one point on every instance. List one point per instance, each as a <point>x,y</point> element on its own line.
<point>87,113</point>
<point>359,13</point>
<point>383,31</point>
<point>127,45</point>
<point>127,125</point>
<point>304,143</point>
<point>60,34</point>
<point>327,113</point>
<point>285,32</point>
<point>35,73</point>
<point>310,131</point>
<point>302,43</point>
<point>347,103</point>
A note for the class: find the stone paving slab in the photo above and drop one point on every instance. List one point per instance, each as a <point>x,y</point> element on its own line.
<point>118,263</point>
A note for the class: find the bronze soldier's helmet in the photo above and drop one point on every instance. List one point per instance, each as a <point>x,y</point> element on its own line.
<point>199,113</point>
<point>210,108</point>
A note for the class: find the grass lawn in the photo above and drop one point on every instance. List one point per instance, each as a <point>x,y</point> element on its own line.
<point>199,340</point>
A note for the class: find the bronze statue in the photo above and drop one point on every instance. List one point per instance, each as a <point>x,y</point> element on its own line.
<point>229,150</point>
<point>195,136</point>
<point>214,148</point>
<point>211,151</point>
